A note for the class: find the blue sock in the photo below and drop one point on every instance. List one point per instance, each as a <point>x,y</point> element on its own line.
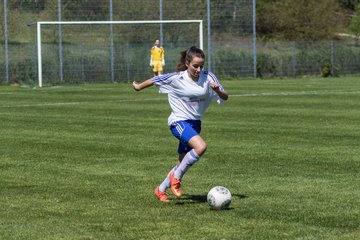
<point>190,158</point>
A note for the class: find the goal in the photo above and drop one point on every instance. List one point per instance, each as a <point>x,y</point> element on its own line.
<point>71,52</point>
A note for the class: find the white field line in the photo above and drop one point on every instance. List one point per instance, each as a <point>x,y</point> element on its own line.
<point>76,103</point>
<point>302,93</point>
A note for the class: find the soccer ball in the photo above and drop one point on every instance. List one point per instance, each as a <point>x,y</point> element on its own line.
<point>219,197</point>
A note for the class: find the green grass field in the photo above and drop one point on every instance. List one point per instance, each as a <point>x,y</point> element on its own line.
<point>82,162</point>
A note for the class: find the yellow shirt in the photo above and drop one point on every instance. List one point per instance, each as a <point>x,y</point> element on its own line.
<point>157,53</point>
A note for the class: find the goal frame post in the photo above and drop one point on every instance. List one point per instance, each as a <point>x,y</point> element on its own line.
<point>40,23</point>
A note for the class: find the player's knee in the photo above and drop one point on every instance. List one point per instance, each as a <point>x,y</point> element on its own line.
<point>200,149</point>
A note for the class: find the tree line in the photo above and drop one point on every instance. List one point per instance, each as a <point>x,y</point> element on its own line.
<point>279,19</point>
<point>307,19</point>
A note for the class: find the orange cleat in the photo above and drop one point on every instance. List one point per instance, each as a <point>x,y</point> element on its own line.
<point>175,185</point>
<point>162,196</point>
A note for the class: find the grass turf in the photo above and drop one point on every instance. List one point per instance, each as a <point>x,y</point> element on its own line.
<point>82,162</point>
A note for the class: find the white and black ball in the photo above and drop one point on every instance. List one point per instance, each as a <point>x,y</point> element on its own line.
<point>219,197</point>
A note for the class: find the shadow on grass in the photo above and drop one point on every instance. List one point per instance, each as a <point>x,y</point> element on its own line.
<point>196,199</point>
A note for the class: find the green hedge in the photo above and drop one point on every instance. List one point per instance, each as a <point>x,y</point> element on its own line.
<point>131,62</point>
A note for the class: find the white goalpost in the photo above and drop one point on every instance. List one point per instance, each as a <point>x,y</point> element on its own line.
<point>41,24</point>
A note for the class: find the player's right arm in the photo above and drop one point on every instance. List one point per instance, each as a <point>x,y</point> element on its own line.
<point>163,82</point>
<point>144,84</point>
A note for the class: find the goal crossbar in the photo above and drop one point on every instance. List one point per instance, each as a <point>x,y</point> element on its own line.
<point>40,23</point>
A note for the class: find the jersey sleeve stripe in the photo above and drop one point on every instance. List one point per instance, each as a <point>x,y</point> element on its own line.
<point>163,77</point>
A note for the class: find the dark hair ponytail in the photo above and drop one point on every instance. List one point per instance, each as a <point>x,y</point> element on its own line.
<point>187,56</point>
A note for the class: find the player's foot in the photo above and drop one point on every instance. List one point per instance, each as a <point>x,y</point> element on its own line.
<point>162,196</point>
<point>175,185</point>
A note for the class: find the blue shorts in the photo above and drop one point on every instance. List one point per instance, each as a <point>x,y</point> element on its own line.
<point>184,131</point>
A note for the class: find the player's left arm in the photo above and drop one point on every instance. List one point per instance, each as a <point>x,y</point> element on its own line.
<point>151,56</point>
<point>163,56</point>
<point>220,92</point>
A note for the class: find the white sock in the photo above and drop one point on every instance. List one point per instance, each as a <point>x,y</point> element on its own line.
<point>166,183</point>
<point>189,159</point>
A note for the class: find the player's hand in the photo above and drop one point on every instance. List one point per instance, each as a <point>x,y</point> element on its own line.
<point>135,86</point>
<point>221,93</point>
<point>214,86</point>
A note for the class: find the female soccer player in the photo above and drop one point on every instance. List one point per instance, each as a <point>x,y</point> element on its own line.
<point>190,90</point>
<point>157,58</point>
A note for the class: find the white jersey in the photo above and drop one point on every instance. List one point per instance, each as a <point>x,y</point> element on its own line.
<point>188,99</point>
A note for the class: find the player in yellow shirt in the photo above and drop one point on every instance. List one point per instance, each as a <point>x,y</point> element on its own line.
<point>157,58</point>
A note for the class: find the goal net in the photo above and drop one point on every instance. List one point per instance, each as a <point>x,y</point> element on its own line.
<point>81,52</point>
